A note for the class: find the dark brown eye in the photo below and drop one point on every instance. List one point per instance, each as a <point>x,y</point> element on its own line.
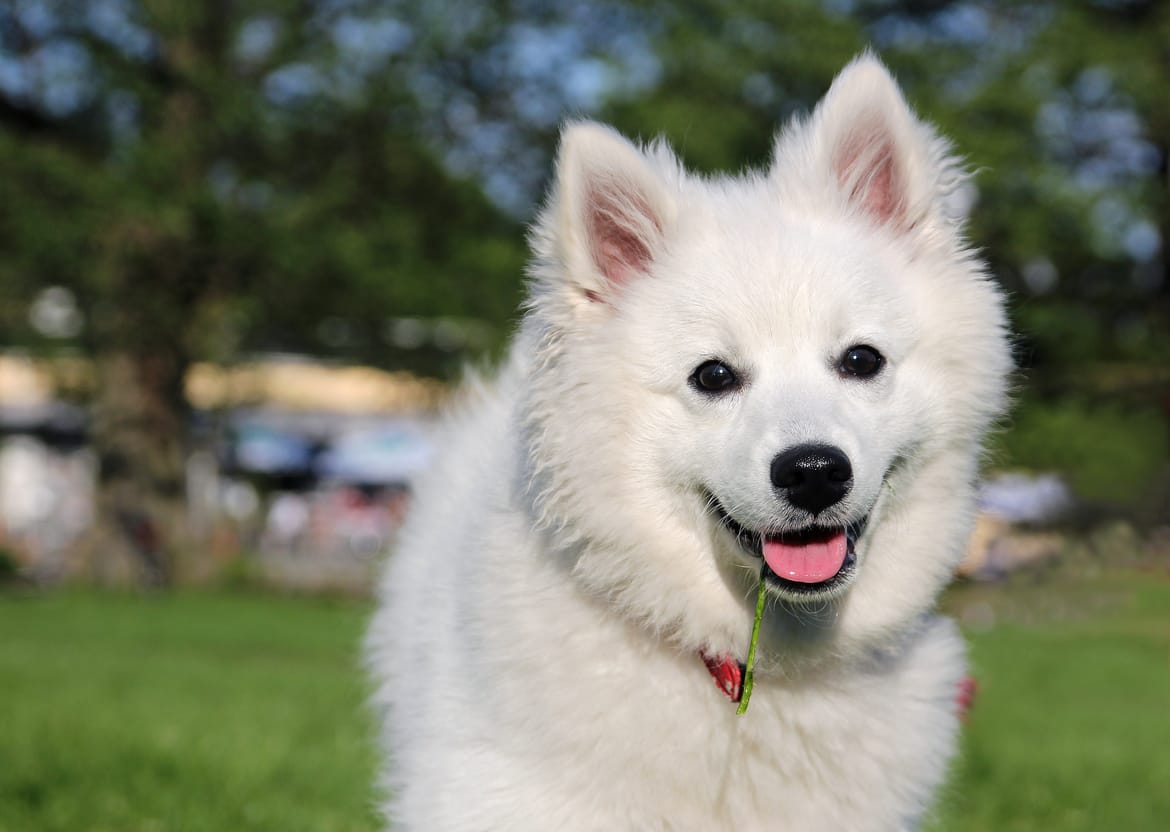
<point>714,377</point>
<point>861,361</point>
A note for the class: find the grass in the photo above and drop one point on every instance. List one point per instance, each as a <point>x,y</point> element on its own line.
<point>244,711</point>
<point>182,712</point>
<point>1071,730</point>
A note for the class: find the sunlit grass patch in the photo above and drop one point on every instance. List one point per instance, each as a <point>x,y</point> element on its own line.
<point>1071,730</point>
<point>182,712</point>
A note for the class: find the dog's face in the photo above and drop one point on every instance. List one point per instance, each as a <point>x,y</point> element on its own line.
<point>787,372</point>
<point>785,394</point>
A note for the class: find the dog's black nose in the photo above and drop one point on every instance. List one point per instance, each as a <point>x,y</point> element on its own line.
<point>813,477</point>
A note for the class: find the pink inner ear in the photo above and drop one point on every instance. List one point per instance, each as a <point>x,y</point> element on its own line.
<point>867,168</point>
<point>617,227</point>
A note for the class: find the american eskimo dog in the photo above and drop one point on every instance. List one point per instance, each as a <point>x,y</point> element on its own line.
<point>783,377</point>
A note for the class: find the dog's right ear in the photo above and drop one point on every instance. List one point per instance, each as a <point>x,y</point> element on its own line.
<point>610,208</point>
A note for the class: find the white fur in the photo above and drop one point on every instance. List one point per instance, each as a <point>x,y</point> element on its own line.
<point>537,647</point>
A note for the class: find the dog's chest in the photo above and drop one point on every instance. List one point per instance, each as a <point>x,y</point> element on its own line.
<point>669,752</point>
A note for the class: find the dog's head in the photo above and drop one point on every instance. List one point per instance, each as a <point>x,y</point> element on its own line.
<point>792,368</point>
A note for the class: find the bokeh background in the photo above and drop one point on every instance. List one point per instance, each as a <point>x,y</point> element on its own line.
<point>246,246</point>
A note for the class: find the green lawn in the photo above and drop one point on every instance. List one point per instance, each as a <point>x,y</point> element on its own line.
<point>1071,730</point>
<point>244,712</point>
<point>182,712</point>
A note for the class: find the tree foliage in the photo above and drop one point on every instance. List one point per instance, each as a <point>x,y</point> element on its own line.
<point>207,178</point>
<point>228,175</point>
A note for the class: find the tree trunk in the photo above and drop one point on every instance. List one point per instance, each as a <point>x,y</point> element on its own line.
<point>139,433</point>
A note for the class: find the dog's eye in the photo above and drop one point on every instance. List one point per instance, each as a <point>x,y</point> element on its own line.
<point>861,361</point>
<point>714,377</point>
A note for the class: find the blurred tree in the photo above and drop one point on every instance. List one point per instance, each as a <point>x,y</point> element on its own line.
<point>729,73</point>
<point>208,177</point>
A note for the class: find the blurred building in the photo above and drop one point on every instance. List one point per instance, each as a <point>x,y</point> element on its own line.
<point>293,460</point>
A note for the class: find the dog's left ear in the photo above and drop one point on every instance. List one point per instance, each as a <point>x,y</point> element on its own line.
<point>865,146</point>
<point>610,210</point>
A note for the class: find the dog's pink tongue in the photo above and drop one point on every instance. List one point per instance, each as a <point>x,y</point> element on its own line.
<point>806,563</point>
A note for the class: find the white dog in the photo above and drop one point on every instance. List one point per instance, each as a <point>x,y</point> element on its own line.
<point>782,376</point>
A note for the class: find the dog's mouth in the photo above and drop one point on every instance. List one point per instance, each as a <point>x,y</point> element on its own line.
<point>811,562</point>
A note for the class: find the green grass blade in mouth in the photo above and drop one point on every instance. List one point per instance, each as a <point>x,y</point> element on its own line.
<point>750,666</point>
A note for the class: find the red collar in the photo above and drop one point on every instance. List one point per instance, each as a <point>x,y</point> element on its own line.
<point>727,673</point>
